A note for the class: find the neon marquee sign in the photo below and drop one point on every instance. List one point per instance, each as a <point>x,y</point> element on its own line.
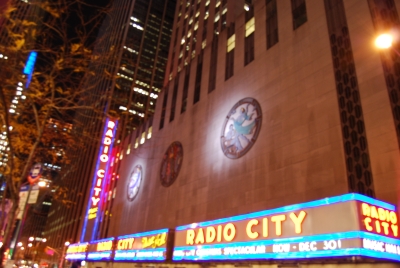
<point>147,246</point>
<point>100,250</point>
<point>322,228</point>
<point>76,251</point>
<point>379,220</point>
<point>100,176</point>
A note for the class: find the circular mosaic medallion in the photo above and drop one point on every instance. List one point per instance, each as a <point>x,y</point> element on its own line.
<point>134,182</point>
<point>171,163</point>
<point>241,128</point>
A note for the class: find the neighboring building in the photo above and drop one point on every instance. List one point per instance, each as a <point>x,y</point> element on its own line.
<point>9,60</point>
<point>266,104</point>
<point>133,46</point>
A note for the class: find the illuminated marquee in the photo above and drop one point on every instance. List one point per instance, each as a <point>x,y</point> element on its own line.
<point>379,220</point>
<point>100,176</point>
<point>148,246</point>
<point>322,228</point>
<point>76,251</point>
<point>100,250</point>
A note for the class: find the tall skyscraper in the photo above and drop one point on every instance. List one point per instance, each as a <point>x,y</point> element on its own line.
<point>132,49</point>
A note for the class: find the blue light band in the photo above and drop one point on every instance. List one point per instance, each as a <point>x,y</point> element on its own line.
<point>316,203</point>
<point>300,254</point>
<point>102,240</point>
<point>95,256</point>
<point>155,232</point>
<point>156,254</point>
<point>76,256</point>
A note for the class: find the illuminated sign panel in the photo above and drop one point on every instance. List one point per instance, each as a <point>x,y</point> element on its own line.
<point>148,246</point>
<point>379,220</point>
<point>347,225</point>
<point>100,250</point>
<point>29,66</point>
<point>99,182</point>
<point>76,251</point>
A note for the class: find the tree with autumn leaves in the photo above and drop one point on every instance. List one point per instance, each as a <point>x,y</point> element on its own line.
<point>37,110</point>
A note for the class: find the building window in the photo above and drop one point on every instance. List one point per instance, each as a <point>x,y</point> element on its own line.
<point>137,139</point>
<point>249,27</point>
<point>299,13</point>
<point>230,49</point>
<point>176,37</point>
<point>185,89</point>
<point>174,96</point>
<point>213,64</point>
<point>204,36</point>
<point>272,23</point>
<point>199,72</point>
<point>150,128</point>
<point>249,42</point>
<point>230,43</point>
<point>143,138</point>
<point>223,18</point>
<point>164,108</point>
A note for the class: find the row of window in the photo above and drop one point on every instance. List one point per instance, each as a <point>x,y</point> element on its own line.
<point>190,24</point>
<point>299,18</point>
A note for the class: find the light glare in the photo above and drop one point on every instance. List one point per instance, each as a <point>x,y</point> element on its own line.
<point>384,41</point>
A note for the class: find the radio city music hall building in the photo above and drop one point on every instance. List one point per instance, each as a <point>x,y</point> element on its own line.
<point>274,143</point>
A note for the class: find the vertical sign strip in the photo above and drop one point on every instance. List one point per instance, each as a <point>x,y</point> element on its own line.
<point>93,212</point>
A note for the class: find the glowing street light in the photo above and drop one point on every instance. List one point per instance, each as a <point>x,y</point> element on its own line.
<point>30,245</point>
<point>384,41</point>
<point>67,244</point>
<point>19,244</point>
<point>31,238</point>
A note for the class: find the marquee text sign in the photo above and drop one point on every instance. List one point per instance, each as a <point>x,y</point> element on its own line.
<point>100,250</point>
<point>76,251</point>
<point>350,224</point>
<point>148,246</point>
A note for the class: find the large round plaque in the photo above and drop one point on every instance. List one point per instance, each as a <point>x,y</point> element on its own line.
<point>241,128</point>
<point>135,179</point>
<point>171,164</point>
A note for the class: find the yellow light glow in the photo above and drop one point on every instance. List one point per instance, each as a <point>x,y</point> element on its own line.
<point>384,41</point>
<point>42,183</point>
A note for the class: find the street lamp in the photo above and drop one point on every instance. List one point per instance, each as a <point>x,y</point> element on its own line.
<point>42,183</point>
<point>385,41</point>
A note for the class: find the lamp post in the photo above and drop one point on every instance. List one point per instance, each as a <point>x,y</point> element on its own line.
<point>66,244</point>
